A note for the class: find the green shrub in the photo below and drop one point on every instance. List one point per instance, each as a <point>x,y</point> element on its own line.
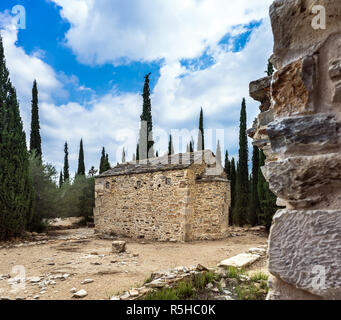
<point>164,294</point>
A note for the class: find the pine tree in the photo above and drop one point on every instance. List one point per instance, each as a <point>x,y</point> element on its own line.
<point>242,184</point>
<point>254,201</point>
<point>81,165</point>
<point>201,139</point>
<point>66,173</point>
<point>227,165</point>
<point>170,146</point>
<point>35,139</point>
<point>16,193</point>
<point>147,117</point>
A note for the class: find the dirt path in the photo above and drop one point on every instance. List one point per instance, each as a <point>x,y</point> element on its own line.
<point>78,255</point>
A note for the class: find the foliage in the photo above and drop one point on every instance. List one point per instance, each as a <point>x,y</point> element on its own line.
<point>201,137</point>
<point>183,289</point>
<point>16,194</point>
<point>254,198</point>
<point>104,164</point>
<point>81,165</point>
<point>266,197</point>
<point>46,204</point>
<point>147,117</point>
<point>241,204</point>
<point>35,139</point>
<point>170,146</point>
<point>66,173</point>
<point>77,199</point>
<point>270,69</point>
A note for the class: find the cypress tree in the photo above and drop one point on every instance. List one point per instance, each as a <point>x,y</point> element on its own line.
<point>107,165</point>
<point>157,154</point>
<point>16,193</point>
<point>35,139</point>
<point>201,139</point>
<point>137,152</point>
<point>102,164</point>
<point>170,146</point>
<point>267,199</point>
<point>191,146</point>
<point>227,165</point>
<point>147,117</point>
<point>66,173</point>
<point>61,179</point>
<point>242,185</point>
<point>81,165</point>
<point>254,206</point>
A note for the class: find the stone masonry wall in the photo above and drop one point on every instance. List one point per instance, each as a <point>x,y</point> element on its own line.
<point>299,129</point>
<point>165,205</point>
<point>146,205</point>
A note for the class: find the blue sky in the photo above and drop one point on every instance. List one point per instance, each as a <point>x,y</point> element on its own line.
<point>90,57</point>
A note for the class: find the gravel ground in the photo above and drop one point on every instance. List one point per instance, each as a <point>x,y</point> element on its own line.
<point>52,269</point>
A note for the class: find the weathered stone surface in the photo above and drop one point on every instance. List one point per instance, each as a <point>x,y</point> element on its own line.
<point>302,145</point>
<point>259,251</point>
<point>259,89</point>
<point>172,204</point>
<point>118,246</point>
<point>335,69</point>
<point>305,134</point>
<point>337,93</point>
<point>300,179</point>
<point>310,243</point>
<point>240,261</point>
<point>280,290</point>
<point>266,117</point>
<point>289,92</point>
<point>294,35</point>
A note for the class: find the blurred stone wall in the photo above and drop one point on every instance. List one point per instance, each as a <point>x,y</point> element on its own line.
<point>299,130</point>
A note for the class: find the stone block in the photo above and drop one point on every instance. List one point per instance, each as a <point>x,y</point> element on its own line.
<point>307,177</point>
<point>305,250</point>
<point>242,260</point>
<point>294,35</point>
<point>118,246</point>
<point>304,134</point>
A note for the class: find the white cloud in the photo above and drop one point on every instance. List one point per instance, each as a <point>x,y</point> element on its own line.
<point>24,68</point>
<point>133,30</point>
<point>144,30</point>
